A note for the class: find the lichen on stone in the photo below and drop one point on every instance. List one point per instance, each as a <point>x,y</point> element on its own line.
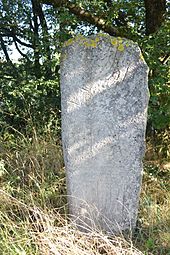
<point>114,41</point>
<point>120,47</point>
<point>141,56</point>
<point>103,35</point>
<point>83,41</point>
<point>72,40</point>
<point>92,42</point>
<point>120,40</point>
<point>68,42</point>
<point>127,44</point>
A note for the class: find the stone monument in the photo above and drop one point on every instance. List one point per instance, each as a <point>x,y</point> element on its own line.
<point>104,98</point>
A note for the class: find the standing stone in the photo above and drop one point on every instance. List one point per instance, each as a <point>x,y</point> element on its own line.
<point>104,97</point>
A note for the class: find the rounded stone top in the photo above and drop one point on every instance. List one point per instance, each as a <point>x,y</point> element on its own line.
<point>94,41</point>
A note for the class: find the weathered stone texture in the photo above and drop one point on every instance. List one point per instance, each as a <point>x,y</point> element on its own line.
<point>104,94</point>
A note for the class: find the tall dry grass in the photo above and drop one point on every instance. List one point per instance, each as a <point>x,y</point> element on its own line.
<point>28,229</point>
<point>33,206</point>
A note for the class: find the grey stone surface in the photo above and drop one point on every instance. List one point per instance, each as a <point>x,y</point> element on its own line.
<point>104,93</point>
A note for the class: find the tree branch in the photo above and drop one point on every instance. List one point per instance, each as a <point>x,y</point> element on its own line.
<point>154,9</point>
<point>11,33</point>
<point>46,42</point>
<point>5,50</point>
<point>22,54</point>
<point>87,16</point>
<point>15,72</point>
<point>36,41</point>
<point>23,43</point>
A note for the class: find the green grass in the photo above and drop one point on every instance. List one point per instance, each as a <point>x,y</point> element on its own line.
<point>33,205</point>
<point>154,214</point>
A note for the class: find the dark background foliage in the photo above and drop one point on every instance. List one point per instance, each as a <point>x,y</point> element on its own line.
<point>29,87</point>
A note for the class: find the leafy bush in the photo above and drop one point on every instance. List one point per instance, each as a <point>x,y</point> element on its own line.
<point>30,104</point>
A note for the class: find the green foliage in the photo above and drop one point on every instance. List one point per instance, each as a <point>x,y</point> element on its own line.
<point>30,104</point>
<point>30,84</point>
<point>156,49</point>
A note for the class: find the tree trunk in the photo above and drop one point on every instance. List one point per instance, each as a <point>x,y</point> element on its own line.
<point>155,15</point>
<point>46,42</point>
<point>37,66</point>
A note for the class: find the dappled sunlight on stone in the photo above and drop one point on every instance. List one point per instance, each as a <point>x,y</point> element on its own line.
<point>104,94</point>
